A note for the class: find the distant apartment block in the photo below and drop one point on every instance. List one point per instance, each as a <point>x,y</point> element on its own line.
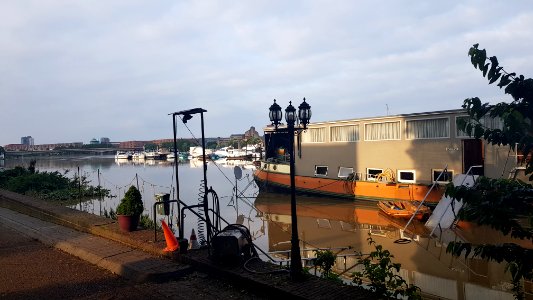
<point>162,141</point>
<point>27,140</point>
<point>105,140</point>
<point>134,145</point>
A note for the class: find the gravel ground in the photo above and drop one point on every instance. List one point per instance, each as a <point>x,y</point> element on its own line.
<point>31,270</point>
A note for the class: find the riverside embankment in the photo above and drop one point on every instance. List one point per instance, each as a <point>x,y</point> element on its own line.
<point>137,257</point>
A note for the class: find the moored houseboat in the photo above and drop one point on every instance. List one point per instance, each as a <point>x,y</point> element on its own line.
<point>392,157</point>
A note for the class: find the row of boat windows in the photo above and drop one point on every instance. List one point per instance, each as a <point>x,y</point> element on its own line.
<point>435,128</point>
<point>378,174</point>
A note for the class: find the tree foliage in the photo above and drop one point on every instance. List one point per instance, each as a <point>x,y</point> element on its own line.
<point>150,147</point>
<point>325,259</point>
<point>504,205</point>
<point>516,116</point>
<point>48,185</point>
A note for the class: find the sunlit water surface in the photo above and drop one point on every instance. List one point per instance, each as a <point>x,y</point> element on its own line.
<point>340,224</point>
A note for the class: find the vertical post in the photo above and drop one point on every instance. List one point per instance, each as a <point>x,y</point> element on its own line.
<point>177,181</point>
<point>79,186</point>
<point>236,198</point>
<point>99,192</point>
<point>206,205</point>
<point>296,260</point>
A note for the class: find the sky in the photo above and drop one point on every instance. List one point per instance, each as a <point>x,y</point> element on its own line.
<point>74,70</point>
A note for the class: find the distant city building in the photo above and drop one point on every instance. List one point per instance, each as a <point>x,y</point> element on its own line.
<point>27,140</point>
<point>236,136</point>
<point>94,142</point>
<point>104,140</point>
<point>16,147</point>
<point>161,141</point>
<point>251,133</point>
<point>133,145</point>
<point>42,147</point>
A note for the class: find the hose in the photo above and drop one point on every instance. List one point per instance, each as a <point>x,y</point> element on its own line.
<point>200,223</point>
<point>216,221</point>
<point>386,175</point>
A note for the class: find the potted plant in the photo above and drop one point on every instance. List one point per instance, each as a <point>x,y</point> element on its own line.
<point>130,209</point>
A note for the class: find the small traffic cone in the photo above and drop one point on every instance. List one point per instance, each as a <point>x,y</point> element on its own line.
<point>172,242</point>
<point>193,242</point>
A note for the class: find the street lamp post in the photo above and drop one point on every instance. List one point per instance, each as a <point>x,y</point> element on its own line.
<point>301,120</point>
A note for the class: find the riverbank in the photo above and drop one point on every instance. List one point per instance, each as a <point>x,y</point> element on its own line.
<point>81,225</point>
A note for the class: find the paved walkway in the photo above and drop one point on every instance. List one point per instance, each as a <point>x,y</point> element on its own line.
<point>113,256</point>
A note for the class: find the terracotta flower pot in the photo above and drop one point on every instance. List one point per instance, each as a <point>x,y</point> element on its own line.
<point>128,223</point>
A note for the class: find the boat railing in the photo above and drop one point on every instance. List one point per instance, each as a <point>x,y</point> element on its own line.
<point>435,182</point>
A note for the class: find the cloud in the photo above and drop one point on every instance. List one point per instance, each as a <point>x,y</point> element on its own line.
<point>74,70</point>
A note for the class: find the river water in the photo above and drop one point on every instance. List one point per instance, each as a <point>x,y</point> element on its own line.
<point>338,224</point>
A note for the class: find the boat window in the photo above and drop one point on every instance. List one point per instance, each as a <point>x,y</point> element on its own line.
<point>344,172</point>
<point>372,173</point>
<point>378,231</point>
<point>407,176</point>
<point>349,133</point>
<point>403,235</point>
<point>427,129</point>
<point>314,135</point>
<point>321,170</point>
<point>382,131</point>
<point>323,223</point>
<point>444,178</point>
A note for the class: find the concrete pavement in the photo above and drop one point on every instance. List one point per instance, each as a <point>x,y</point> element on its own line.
<point>113,256</point>
<point>136,256</point>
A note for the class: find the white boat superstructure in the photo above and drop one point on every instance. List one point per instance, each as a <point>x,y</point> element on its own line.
<point>138,155</point>
<point>153,154</point>
<point>236,153</point>
<point>123,155</point>
<point>197,151</point>
<point>222,152</point>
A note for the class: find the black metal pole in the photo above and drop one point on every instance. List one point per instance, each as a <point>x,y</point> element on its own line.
<point>296,260</point>
<point>79,186</point>
<point>180,231</point>
<point>99,192</point>
<point>206,205</point>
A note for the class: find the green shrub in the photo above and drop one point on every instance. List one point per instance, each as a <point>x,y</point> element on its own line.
<point>325,259</point>
<point>147,223</point>
<point>131,204</point>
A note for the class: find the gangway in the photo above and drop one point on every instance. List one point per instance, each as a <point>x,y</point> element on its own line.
<point>445,212</point>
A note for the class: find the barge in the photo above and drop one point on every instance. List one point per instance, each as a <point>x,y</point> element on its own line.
<point>382,158</point>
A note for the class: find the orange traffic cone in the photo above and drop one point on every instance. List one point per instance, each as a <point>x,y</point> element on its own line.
<point>193,242</point>
<point>172,242</point>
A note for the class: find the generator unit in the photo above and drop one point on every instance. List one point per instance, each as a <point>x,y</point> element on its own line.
<point>232,243</point>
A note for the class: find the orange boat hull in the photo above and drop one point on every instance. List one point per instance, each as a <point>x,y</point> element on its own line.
<point>368,190</point>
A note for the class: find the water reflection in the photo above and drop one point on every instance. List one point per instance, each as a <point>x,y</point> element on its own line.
<point>322,222</point>
<point>345,227</point>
